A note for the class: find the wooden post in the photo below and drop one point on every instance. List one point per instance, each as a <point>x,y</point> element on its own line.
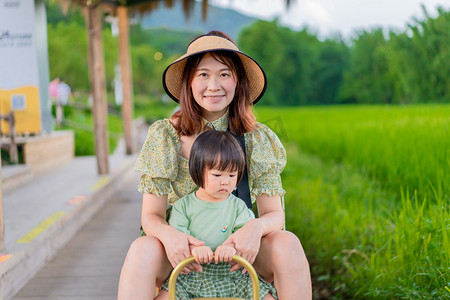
<point>98,86</point>
<point>12,146</point>
<point>13,153</point>
<point>2,225</point>
<point>125,67</point>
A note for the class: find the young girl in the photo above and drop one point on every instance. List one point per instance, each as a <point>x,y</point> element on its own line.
<point>212,214</point>
<point>216,86</point>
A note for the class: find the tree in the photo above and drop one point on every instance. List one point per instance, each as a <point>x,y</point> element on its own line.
<point>300,69</point>
<point>328,71</point>
<point>419,59</point>
<point>67,47</point>
<point>368,79</point>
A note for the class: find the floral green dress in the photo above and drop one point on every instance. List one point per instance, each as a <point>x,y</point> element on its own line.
<point>165,172</point>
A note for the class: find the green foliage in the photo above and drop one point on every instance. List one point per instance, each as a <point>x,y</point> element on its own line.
<point>153,108</point>
<point>407,67</point>
<point>111,56</point>
<point>152,50</point>
<point>368,195</point>
<point>419,59</point>
<point>68,50</point>
<point>6,159</point>
<point>368,79</point>
<point>56,15</point>
<point>148,65</point>
<point>82,123</point>
<point>256,41</point>
<point>327,75</point>
<point>300,69</point>
<point>67,47</point>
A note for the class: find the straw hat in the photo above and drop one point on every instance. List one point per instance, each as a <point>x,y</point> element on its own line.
<point>172,76</point>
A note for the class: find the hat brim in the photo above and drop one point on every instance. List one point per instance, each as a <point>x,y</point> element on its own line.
<point>172,76</point>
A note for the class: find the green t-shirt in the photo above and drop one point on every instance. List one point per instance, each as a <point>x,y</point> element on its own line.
<point>211,222</point>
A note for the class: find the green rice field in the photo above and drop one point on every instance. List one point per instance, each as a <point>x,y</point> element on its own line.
<point>368,194</point>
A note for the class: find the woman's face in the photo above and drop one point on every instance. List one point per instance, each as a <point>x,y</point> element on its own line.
<point>213,87</point>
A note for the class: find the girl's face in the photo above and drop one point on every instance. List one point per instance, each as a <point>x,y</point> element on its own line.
<point>218,185</point>
<point>213,87</point>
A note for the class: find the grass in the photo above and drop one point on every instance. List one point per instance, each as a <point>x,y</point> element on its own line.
<point>368,195</point>
<point>82,123</point>
<point>152,108</point>
<point>400,146</point>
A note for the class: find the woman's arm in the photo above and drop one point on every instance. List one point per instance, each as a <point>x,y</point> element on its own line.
<point>154,224</point>
<point>247,240</point>
<point>153,214</point>
<point>270,211</point>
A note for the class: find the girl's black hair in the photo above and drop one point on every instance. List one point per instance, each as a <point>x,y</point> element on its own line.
<point>215,150</point>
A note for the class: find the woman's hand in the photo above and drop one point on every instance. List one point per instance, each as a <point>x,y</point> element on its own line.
<point>224,253</point>
<point>246,241</point>
<point>202,254</point>
<point>176,243</point>
<point>178,247</point>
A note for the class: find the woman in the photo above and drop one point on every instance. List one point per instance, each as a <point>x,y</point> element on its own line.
<point>216,86</point>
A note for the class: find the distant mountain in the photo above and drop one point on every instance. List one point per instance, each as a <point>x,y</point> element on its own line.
<point>226,20</point>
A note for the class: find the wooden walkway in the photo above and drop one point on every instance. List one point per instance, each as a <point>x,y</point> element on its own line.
<point>89,266</point>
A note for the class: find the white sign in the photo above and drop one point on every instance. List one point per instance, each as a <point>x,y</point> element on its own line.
<point>19,78</point>
<point>18,58</point>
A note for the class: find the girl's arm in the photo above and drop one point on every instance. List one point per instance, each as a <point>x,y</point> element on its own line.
<point>154,224</point>
<point>247,240</point>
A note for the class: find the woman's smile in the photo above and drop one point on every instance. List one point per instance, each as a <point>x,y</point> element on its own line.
<point>215,98</point>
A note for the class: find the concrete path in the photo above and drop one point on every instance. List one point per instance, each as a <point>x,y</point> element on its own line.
<point>92,218</point>
<point>88,267</point>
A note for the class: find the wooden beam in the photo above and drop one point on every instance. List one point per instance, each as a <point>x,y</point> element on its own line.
<point>98,86</point>
<point>127,85</point>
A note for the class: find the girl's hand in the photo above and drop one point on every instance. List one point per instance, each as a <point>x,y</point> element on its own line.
<point>202,254</point>
<point>177,245</point>
<point>246,241</point>
<point>224,253</point>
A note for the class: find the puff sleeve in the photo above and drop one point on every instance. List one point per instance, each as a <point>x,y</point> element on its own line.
<point>157,160</point>
<point>266,159</point>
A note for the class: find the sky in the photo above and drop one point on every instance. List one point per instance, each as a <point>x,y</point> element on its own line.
<point>328,17</point>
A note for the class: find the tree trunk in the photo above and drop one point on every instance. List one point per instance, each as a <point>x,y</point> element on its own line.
<point>125,67</point>
<point>98,87</point>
